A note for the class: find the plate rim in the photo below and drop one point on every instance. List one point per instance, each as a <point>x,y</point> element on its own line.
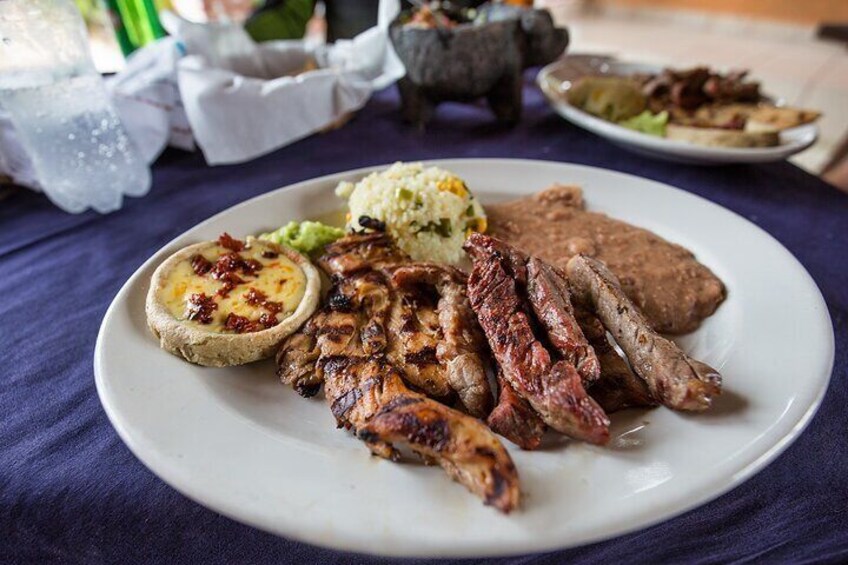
<point>663,147</point>
<point>342,544</point>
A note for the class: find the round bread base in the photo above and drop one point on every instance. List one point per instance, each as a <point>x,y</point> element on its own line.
<point>214,349</point>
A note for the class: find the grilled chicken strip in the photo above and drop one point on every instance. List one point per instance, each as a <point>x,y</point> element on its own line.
<point>360,252</point>
<point>415,336</point>
<point>673,378</point>
<point>367,395</point>
<point>296,361</point>
<point>617,388</point>
<point>514,419</point>
<point>369,288</point>
<point>555,391</point>
<point>547,291</point>
<point>366,391</point>
<point>410,318</point>
<point>459,350</point>
<point>464,447</point>
<point>435,340</point>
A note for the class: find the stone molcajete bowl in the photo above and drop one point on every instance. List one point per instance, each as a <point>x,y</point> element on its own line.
<point>483,58</point>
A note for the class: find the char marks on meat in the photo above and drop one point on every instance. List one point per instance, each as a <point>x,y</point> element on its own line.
<point>366,251</point>
<point>547,291</point>
<point>395,338</point>
<point>673,378</point>
<point>415,331</point>
<point>296,359</point>
<point>552,387</point>
<point>348,347</point>
<point>435,340</point>
<point>514,418</point>
<point>617,388</point>
<point>461,345</point>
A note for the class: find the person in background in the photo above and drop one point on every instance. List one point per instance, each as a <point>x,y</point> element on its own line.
<point>348,18</point>
<point>287,19</point>
<point>280,19</point>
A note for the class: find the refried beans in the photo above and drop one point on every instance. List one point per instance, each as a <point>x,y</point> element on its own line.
<point>674,290</point>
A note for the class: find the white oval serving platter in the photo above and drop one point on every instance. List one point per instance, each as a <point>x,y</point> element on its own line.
<point>240,443</point>
<point>555,80</point>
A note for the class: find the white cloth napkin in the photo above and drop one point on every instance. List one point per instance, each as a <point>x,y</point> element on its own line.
<point>237,99</point>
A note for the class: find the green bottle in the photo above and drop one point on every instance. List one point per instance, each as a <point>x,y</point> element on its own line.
<point>136,23</point>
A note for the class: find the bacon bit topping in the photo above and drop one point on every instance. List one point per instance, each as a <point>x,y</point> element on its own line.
<point>200,308</point>
<point>226,263</point>
<point>268,320</point>
<point>200,264</point>
<point>250,266</point>
<point>256,297</point>
<point>229,242</point>
<point>230,280</point>
<point>225,270</point>
<point>273,307</point>
<point>268,254</point>
<point>241,324</point>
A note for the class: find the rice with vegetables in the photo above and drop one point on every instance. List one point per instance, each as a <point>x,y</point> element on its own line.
<point>427,210</point>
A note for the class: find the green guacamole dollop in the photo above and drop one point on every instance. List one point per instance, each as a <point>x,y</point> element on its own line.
<point>307,237</point>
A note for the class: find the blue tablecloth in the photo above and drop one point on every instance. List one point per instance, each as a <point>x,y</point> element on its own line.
<point>71,491</point>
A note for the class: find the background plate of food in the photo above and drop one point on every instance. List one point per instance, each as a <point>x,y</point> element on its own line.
<point>695,115</point>
<point>548,344</point>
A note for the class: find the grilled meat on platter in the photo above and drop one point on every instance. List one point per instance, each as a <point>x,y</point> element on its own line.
<point>460,349</point>
<point>675,379</point>
<point>349,347</point>
<point>398,343</point>
<point>553,387</point>
<point>514,418</point>
<point>617,387</point>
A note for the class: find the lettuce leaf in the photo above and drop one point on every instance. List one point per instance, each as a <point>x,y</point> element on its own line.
<point>647,122</point>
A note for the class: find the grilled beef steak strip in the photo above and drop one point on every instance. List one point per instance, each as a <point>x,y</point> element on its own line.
<point>556,392</point>
<point>548,296</point>
<point>514,419</point>
<point>673,378</point>
<point>460,349</point>
<point>547,291</point>
<point>617,388</point>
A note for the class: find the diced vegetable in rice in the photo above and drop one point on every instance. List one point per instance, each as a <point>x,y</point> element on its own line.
<point>429,211</point>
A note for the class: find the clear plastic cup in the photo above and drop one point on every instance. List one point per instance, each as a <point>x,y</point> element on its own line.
<point>60,110</point>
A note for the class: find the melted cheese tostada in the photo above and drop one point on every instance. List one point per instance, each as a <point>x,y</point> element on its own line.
<point>229,302</point>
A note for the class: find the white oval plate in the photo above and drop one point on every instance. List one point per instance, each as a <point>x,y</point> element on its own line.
<point>239,442</point>
<point>555,79</point>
